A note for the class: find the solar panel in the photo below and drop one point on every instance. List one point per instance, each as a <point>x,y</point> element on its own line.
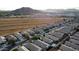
<point>66,48</point>
<point>41,44</point>
<point>32,47</point>
<point>47,40</point>
<point>72,45</point>
<point>74,41</point>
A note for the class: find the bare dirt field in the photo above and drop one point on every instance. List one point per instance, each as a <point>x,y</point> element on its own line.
<point>10,25</point>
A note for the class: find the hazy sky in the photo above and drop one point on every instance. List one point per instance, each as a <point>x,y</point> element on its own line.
<point>38,4</point>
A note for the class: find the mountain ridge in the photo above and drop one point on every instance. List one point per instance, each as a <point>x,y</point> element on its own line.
<point>30,11</point>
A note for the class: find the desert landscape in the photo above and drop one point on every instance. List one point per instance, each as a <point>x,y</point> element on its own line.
<point>10,25</point>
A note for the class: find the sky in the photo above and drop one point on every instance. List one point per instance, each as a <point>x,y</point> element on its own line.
<point>39,4</point>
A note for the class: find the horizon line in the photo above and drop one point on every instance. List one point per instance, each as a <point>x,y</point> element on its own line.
<point>38,9</point>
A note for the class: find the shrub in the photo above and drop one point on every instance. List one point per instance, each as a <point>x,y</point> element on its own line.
<point>36,37</point>
<point>26,35</point>
<point>12,42</point>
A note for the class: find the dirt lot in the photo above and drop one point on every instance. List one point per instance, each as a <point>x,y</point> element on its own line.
<point>10,25</point>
